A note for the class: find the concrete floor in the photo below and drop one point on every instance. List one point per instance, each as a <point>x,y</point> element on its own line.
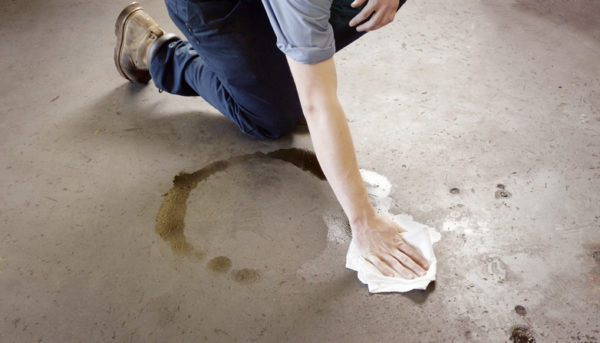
<point>462,94</point>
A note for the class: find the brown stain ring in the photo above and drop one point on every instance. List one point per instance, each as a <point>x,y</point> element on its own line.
<point>170,220</point>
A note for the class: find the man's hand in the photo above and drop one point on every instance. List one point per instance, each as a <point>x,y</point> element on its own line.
<point>379,242</point>
<point>382,12</point>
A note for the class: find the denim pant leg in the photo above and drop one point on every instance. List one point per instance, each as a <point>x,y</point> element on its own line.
<point>232,61</point>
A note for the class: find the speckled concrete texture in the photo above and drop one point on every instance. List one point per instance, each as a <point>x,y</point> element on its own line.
<point>484,115</point>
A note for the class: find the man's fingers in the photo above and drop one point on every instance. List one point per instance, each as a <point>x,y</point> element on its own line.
<point>362,16</point>
<point>390,17</point>
<point>413,254</point>
<point>409,263</point>
<point>383,267</point>
<point>357,3</point>
<point>374,23</point>
<point>398,267</point>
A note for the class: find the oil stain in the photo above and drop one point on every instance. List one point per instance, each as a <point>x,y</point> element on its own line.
<point>219,265</point>
<point>170,218</point>
<point>522,334</point>
<point>170,222</point>
<point>245,276</point>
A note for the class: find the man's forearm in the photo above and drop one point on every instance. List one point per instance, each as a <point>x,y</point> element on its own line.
<point>330,136</point>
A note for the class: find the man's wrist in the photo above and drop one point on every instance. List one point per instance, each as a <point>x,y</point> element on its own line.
<point>360,219</point>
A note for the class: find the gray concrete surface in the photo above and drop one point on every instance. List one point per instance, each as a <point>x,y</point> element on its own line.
<point>462,94</point>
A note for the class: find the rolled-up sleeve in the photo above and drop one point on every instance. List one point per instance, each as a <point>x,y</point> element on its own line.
<point>302,28</point>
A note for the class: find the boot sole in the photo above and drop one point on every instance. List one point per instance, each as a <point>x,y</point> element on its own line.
<point>120,33</point>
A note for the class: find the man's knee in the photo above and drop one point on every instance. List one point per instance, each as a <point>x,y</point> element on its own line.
<point>273,125</point>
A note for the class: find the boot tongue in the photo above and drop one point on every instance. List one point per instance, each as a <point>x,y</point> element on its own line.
<point>154,32</point>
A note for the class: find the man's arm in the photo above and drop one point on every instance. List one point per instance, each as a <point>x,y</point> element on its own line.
<point>377,238</point>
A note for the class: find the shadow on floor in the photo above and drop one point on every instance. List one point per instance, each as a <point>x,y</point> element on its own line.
<point>129,114</point>
<point>420,296</point>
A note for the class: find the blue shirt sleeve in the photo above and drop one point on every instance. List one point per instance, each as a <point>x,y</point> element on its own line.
<point>302,28</point>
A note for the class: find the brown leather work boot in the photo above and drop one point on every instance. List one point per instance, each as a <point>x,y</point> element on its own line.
<point>136,32</point>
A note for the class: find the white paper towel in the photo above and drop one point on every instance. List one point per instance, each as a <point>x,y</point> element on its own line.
<point>418,235</point>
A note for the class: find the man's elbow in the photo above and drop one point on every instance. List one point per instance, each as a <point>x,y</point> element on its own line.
<point>310,110</point>
<point>316,85</point>
<point>319,106</point>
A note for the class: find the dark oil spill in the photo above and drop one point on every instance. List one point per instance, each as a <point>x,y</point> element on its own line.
<point>170,220</point>
<point>219,265</point>
<point>520,310</point>
<point>245,276</point>
<point>522,334</point>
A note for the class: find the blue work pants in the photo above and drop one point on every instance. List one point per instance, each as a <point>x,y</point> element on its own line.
<point>231,60</point>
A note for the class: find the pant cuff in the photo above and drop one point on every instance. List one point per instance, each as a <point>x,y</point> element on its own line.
<point>167,37</point>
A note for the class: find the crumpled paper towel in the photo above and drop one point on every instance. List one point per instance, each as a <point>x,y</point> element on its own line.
<point>418,235</point>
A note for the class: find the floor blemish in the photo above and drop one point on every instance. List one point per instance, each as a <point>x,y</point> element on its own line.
<point>501,193</point>
<point>522,334</point>
<point>219,265</point>
<point>596,256</point>
<point>245,276</point>
<point>520,310</point>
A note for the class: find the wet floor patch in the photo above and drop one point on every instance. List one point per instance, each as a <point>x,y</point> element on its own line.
<point>170,220</point>
<point>522,334</point>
